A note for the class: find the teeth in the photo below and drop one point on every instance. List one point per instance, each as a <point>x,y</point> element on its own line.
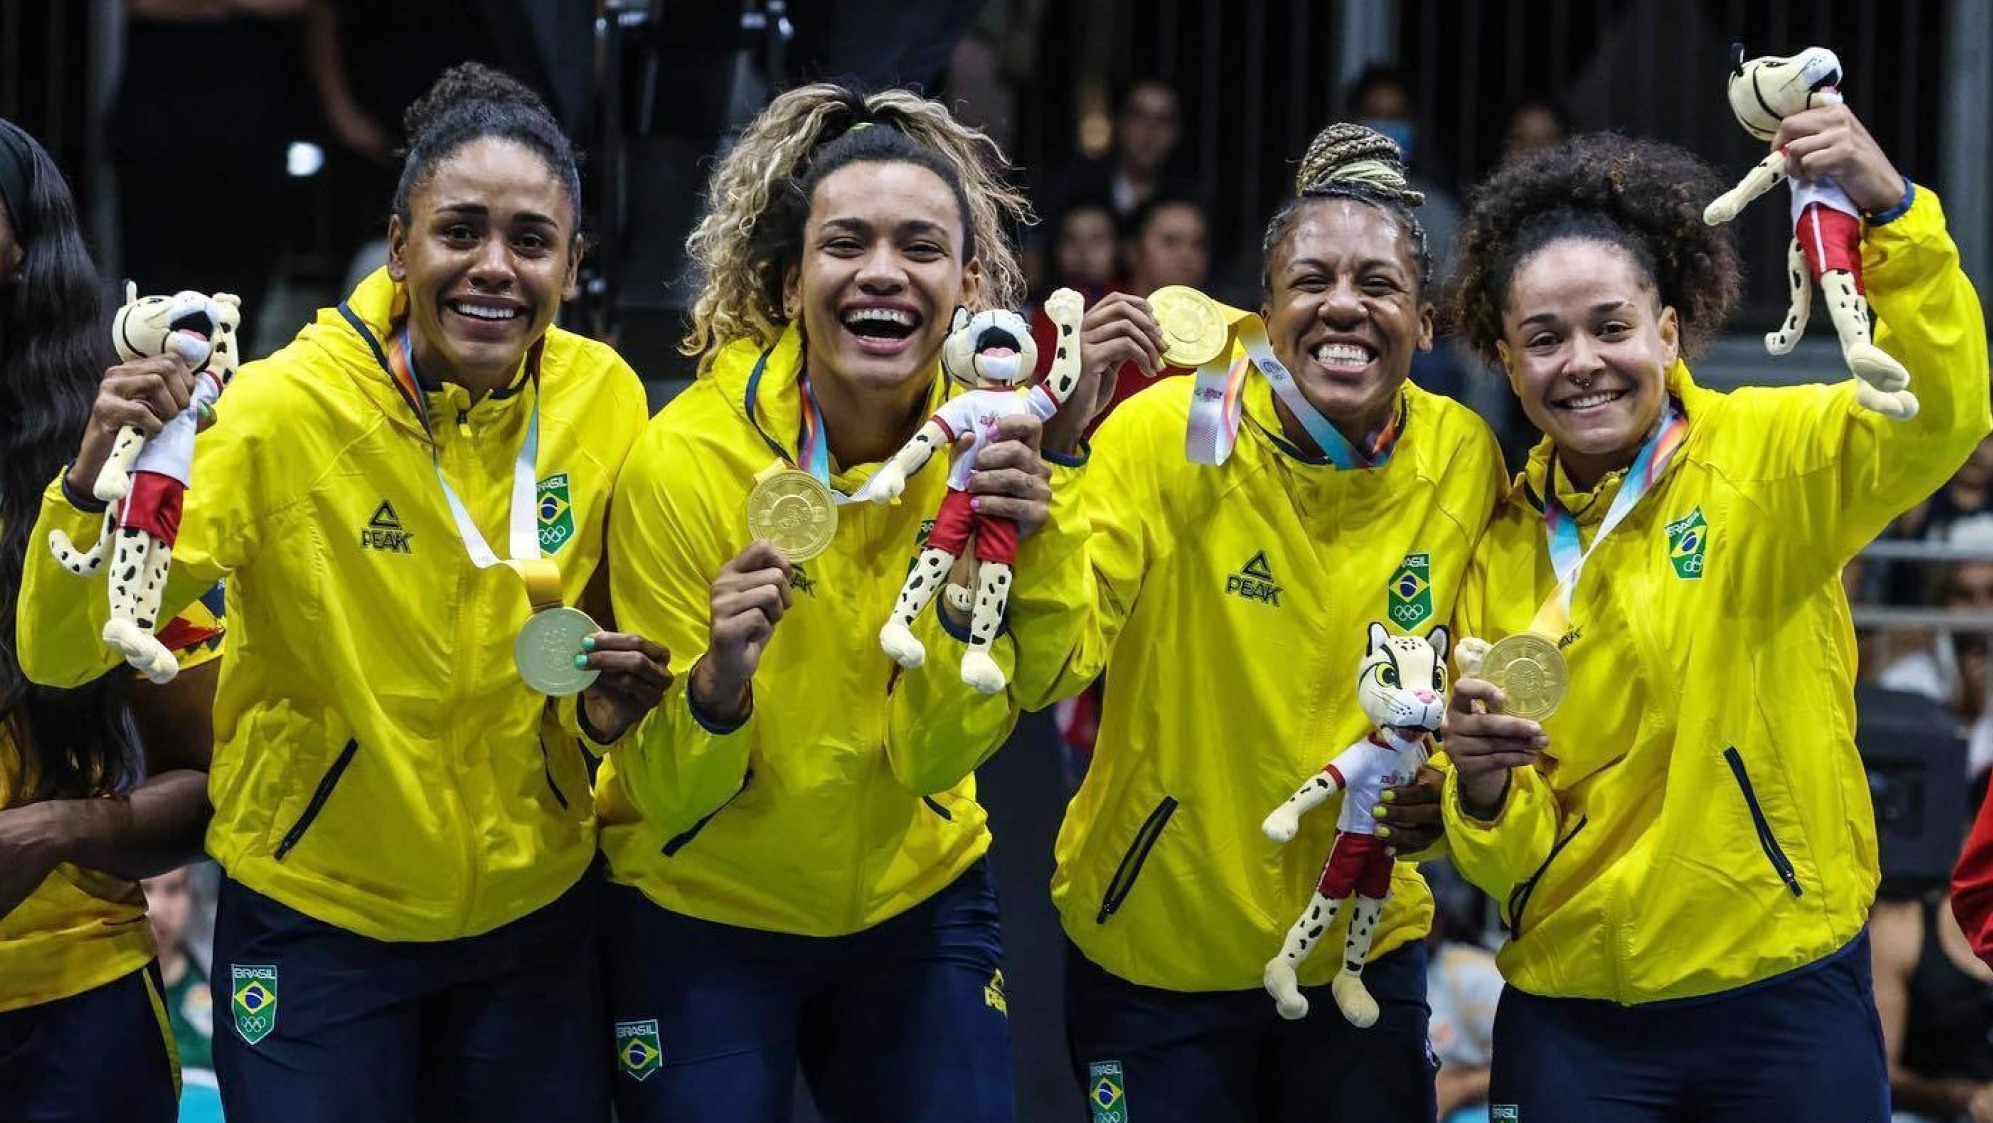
<point>1342,355</point>
<point>484,312</point>
<point>1589,400</point>
<point>881,315</point>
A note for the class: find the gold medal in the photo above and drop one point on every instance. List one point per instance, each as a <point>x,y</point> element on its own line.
<point>546,648</point>
<point>1531,671</point>
<point>1194,330</point>
<point>794,510</point>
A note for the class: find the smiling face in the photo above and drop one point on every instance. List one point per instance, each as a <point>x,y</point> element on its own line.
<point>882,271</point>
<point>1587,346</point>
<point>488,254</point>
<point>1344,312</point>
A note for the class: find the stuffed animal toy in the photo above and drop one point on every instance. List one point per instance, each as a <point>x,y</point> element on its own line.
<point>992,353</point>
<point>1827,227</point>
<point>1401,688</point>
<point>144,480</point>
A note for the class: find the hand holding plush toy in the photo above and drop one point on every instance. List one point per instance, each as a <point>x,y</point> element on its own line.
<point>1826,244</point>
<point>144,480</point>
<point>992,352</point>
<point>1401,688</point>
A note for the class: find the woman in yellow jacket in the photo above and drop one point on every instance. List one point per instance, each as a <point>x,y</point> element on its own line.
<point>793,834</point>
<point>1684,850</point>
<point>406,924</point>
<point>84,809</point>
<point>1230,607</point>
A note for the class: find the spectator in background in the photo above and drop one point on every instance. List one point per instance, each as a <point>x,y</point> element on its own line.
<point>1535,124</point>
<point>1141,165</point>
<point>1381,98</point>
<point>169,902</point>
<point>1463,986</point>
<point>1084,253</point>
<point>1951,667</point>
<point>1936,1002</point>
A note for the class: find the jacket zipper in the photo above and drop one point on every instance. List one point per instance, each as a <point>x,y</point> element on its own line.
<point>318,797</point>
<point>934,805</point>
<point>1520,895</point>
<point>547,764</point>
<point>679,841</point>
<point>1131,863</point>
<point>1766,839</point>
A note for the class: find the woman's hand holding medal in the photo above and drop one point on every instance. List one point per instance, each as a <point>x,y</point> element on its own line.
<point>1118,329</point>
<point>749,597</point>
<point>632,674</point>
<point>1484,744</point>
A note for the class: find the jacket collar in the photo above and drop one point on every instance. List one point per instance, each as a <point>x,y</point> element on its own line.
<point>357,334</point>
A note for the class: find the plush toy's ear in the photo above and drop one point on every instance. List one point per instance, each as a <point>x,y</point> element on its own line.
<point>1737,58</point>
<point>961,319</point>
<point>131,292</point>
<point>1440,639</point>
<point>1378,638</point>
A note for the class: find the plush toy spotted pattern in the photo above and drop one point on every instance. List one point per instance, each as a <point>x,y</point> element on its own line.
<point>1401,688</point>
<point>1826,246</point>
<point>992,353</point>
<point>145,480</point>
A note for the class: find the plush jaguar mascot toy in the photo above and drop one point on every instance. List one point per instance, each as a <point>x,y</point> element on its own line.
<point>992,353</point>
<point>1402,690</point>
<point>144,480</point>
<point>1827,228</point>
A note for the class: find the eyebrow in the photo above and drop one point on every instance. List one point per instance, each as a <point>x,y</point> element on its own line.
<point>1597,310</point>
<point>912,225</point>
<point>1366,263</point>
<point>479,210</point>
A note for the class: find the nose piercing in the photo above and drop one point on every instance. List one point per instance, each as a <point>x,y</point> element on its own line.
<point>1584,381</point>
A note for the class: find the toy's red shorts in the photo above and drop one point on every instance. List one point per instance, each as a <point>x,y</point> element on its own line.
<point>153,506</point>
<point>1831,240</point>
<point>996,539</point>
<point>1358,864</point>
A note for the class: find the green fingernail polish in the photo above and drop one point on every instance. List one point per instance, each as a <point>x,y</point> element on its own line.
<point>1377,812</point>
<point>1389,795</point>
<point>581,662</point>
<point>1383,832</point>
<point>588,643</point>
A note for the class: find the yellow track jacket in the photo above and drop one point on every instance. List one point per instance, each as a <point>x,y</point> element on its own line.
<point>82,928</point>
<point>1702,820</point>
<point>1229,606</point>
<point>378,764</point>
<point>847,796</point>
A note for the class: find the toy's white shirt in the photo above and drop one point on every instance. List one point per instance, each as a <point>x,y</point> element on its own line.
<point>1823,191</point>
<point>978,412</point>
<point>171,453</point>
<point>1367,768</point>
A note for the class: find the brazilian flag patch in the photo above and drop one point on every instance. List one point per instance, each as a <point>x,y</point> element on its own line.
<point>1106,1094</point>
<point>556,514</point>
<point>253,999</point>
<point>639,1053</point>
<point>1688,537</point>
<point>1410,595</point>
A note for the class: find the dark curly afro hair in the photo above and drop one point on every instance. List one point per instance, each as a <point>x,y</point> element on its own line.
<point>1641,195</point>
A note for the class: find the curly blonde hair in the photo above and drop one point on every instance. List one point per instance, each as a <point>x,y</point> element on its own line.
<point>759,199</point>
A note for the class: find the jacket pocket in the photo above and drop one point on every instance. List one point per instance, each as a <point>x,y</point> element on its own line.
<point>684,838</point>
<point>318,797</point>
<point>1767,841</point>
<point>1520,895</point>
<point>1131,862</point>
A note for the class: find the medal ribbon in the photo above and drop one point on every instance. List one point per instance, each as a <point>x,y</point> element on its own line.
<point>1217,402</point>
<point>812,440</point>
<point>1560,527</point>
<point>540,575</point>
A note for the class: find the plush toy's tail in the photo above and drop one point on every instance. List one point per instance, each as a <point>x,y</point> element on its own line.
<point>83,563</point>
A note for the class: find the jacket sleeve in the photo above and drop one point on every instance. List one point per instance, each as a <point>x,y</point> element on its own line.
<point>1496,855</point>
<point>1871,468</point>
<point>60,620</point>
<point>1118,492</point>
<point>677,766</point>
